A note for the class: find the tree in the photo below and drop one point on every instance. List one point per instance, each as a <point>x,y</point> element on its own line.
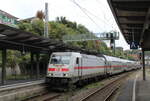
<point>26,27</point>
<point>40,15</point>
<point>38,26</point>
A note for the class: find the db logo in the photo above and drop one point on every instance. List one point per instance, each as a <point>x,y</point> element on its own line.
<point>58,69</point>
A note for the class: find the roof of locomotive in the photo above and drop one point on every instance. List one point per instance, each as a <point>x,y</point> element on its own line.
<point>75,54</point>
<point>67,53</point>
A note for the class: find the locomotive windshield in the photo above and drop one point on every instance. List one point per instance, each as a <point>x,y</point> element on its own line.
<point>60,59</point>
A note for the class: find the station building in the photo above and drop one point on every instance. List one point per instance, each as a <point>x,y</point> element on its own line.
<point>8,19</point>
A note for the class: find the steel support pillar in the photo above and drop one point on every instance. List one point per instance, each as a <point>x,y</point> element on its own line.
<point>37,66</point>
<point>4,55</point>
<point>143,62</point>
<point>32,60</point>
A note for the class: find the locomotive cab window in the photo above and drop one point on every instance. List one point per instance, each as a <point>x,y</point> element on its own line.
<point>60,59</point>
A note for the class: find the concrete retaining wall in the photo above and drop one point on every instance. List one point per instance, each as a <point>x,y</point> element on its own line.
<point>10,71</point>
<point>18,93</point>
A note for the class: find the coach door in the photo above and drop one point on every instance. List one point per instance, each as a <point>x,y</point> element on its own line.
<point>105,65</point>
<point>79,64</point>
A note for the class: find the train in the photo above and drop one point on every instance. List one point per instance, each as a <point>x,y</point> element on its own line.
<point>66,68</point>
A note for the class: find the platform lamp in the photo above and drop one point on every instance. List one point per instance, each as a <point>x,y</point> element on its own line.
<point>2,36</point>
<point>140,57</point>
<point>23,50</point>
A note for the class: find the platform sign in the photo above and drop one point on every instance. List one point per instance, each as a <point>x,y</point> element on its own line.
<point>133,45</point>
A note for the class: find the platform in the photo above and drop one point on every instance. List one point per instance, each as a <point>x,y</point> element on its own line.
<point>11,82</point>
<point>136,89</point>
<point>20,91</point>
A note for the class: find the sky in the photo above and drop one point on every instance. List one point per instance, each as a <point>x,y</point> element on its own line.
<point>97,10</point>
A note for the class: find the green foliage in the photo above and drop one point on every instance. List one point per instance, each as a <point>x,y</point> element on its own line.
<point>104,49</point>
<point>25,26</point>
<point>83,30</point>
<point>15,57</point>
<point>57,30</point>
<point>66,22</point>
<point>38,26</point>
<point>35,27</point>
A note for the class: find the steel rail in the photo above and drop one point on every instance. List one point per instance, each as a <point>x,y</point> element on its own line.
<point>113,86</point>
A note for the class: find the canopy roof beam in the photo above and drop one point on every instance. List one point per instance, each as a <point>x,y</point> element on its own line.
<point>146,25</point>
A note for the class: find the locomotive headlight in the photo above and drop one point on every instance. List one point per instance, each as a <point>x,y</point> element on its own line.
<point>50,74</point>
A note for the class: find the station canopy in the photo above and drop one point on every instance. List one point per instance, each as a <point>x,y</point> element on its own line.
<point>132,17</point>
<point>16,39</point>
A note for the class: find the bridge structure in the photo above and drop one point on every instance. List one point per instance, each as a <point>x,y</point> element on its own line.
<point>112,36</point>
<point>96,36</point>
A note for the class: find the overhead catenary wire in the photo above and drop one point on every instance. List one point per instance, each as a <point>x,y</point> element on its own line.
<point>99,2</point>
<point>87,12</point>
<point>83,10</point>
<point>97,16</point>
<point>105,21</point>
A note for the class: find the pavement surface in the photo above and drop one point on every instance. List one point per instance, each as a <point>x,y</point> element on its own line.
<point>9,82</point>
<point>136,89</point>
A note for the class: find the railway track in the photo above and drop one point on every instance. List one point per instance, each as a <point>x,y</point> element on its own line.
<point>105,93</point>
<point>46,96</point>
